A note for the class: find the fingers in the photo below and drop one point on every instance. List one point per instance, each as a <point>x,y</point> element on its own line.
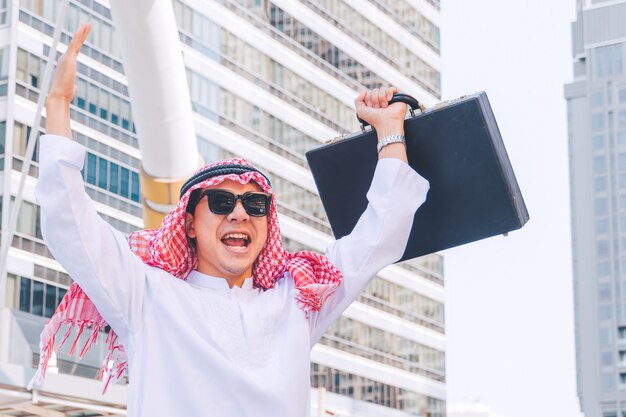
<point>382,97</point>
<point>78,39</point>
<point>377,97</point>
<point>360,100</point>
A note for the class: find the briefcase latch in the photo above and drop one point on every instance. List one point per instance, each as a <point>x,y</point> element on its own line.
<point>342,137</point>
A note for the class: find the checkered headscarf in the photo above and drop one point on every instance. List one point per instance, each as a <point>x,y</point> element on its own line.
<point>167,247</point>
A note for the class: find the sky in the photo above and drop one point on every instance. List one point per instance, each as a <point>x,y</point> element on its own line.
<point>509,306</point>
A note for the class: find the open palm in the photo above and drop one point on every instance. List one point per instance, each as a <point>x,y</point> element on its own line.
<point>65,77</point>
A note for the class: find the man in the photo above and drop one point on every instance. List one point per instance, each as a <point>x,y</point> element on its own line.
<point>232,336</point>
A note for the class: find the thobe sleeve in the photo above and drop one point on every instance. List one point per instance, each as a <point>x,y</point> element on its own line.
<point>378,239</point>
<point>94,254</point>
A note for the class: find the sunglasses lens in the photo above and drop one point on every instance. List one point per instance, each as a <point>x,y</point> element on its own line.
<point>256,204</point>
<point>221,202</point>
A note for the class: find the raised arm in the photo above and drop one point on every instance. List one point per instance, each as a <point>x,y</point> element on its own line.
<point>62,90</point>
<point>95,255</point>
<point>381,234</point>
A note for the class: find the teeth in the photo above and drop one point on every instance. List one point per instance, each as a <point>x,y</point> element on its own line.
<point>236,236</point>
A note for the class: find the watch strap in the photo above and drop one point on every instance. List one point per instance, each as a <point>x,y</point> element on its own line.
<point>389,139</point>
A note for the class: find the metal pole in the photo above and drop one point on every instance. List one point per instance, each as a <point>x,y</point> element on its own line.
<point>7,237</point>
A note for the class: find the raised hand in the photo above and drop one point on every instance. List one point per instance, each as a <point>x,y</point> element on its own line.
<point>62,89</point>
<point>372,106</point>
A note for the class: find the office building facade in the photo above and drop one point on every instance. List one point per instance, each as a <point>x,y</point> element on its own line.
<point>268,81</point>
<point>596,116</point>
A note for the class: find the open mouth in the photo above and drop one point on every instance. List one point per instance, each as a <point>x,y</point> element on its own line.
<point>236,240</point>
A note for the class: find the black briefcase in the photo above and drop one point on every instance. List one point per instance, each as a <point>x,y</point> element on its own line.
<point>457,147</point>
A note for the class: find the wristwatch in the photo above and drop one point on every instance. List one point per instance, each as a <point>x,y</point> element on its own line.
<point>387,140</point>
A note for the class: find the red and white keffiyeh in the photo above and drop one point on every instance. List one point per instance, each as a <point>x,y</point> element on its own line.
<point>167,247</point>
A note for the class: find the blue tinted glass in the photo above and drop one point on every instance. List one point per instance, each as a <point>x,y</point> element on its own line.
<point>135,188</point>
<point>601,206</point>
<point>25,294</point>
<point>604,292</point>
<point>605,337</point>
<point>103,166</point>
<point>597,99</point>
<point>125,124</point>
<point>598,142</point>
<point>51,298</point>
<point>3,126</point>
<point>597,122</point>
<point>115,119</point>
<point>104,114</point>
<point>114,178</point>
<point>60,295</point>
<point>80,102</point>
<point>37,298</point>
<point>92,108</point>
<point>603,269</point>
<point>91,168</point>
<point>599,164</point>
<point>124,181</point>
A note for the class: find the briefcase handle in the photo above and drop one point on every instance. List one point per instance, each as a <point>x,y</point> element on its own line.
<point>398,98</point>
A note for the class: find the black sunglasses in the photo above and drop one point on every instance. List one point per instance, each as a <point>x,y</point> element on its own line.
<point>256,204</point>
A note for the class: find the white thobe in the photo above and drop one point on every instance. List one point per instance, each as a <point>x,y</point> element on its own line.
<point>197,347</point>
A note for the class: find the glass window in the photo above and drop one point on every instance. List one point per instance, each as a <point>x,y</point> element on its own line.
<point>604,291</point>
<point>115,103</point>
<point>51,300</point>
<point>605,337</point>
<point>25,294</point>
<point>597,99</point>
<point>608,383</point>
<point>601,206</point>
<point>599,164</point>
<point>125,114</point>
<point>602,226</point>
<point>598,142</point>
<point>124,182</point>
<point>607,358</point>
<point>621,138</point>
<point>600,184</point>
<point>114,178</point>
<point>26,219</point>
<point>603,269</point>
<point>4,64</point>
<point>103,168</point>
<point>621,161</point>
<point>597,122</point>
<point>60,294</point>
<point>91,168</point>
<point>605,312</point>
<point>622,95</point>
<point>621,120</point>
<point>92,92</point>
<point>37,298</point>
<point>608,61</point>
<point>135,187</point>
<point>602,248</point>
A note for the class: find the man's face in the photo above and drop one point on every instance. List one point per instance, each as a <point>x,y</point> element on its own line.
<point>228,244</point>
